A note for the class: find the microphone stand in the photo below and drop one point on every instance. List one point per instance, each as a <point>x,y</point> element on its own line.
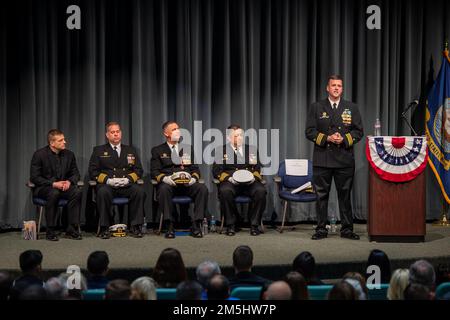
<point>406,120</point>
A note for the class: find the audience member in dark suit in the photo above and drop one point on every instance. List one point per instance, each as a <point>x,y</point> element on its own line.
<point>243,263</point>
<point>54,172</point>
<point>116,168</point>
<point>169,158</point>
<point>97,266</point>
<point>30,264</point>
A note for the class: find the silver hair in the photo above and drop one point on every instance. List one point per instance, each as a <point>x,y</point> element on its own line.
<point>206,270</point>
<point>422,272</point>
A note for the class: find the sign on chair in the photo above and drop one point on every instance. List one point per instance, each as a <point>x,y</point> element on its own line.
<point>296,167</point>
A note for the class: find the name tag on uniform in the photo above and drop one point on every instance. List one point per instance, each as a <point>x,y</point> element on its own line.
<point>131,159</point>
<point>105,155</point>
<point>164,156</point>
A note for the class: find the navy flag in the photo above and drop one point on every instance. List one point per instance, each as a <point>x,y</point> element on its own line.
<point>438,126</point>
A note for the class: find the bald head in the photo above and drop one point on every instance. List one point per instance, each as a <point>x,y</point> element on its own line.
<point>278,290</point>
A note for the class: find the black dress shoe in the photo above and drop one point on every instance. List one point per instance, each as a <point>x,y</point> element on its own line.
<point>230,231</point>
<point>105,234</point>
<point>136,232</point>
<point>196,233</point>
<point>170,234</point>
<point>350,235</point>
<point>73,235</point>
<point>51,236</point>
<point>254,231</point>
<point>319,235</point>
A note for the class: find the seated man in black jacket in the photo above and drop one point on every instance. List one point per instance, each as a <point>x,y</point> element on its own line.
<point>243,263</point>
<point>169,158</point>
<point>55,174</point>
<point>116,168</point>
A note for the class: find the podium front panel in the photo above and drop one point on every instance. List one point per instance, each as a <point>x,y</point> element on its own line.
<point>396,210</point>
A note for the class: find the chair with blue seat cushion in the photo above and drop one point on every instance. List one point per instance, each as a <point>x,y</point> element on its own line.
<point>180,200</point>
<point>93,294</point>
<point>246,293</point>
<point>239,199</point>
<point>166,293</point>
<point>287,183</point>
<point>319,292</point>
<point>378,292</point>
<point>442,290</point>
<point>40,203</point>
<point>117,201</point>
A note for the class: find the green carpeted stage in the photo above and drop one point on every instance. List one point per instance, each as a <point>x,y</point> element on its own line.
<point>273,252</point>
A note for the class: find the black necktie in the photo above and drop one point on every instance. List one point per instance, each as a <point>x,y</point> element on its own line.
<point>334,106</point>
<point>117,151</point>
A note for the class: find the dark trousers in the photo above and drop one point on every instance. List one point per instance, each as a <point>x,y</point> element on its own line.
<point>198,192</point>
<point>133,192</point>
<point>256,191</point>
<point>343,179</point>
<point>52,195</point>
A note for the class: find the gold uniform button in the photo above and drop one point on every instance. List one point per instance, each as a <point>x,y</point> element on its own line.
<point>339,128</point>
<point>114,169</point>
<point>114,176</point>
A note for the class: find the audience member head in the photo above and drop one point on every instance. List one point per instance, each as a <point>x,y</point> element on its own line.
<point>55,289</point>
<point>305,264</point>
<point>417,291</point>
<point>422,272</point>
<point>399,281</point>
<point>342,291</point>
<point>242,259</point>
<point>118,289</point>
<point>97,263</point>
<point>31,261</point>
<point>189,290</point>
<point>6,282</point>
<point>363,291</point>
<point>298,285</point>
<point>169,270</point>
<point>380,258</point>
<point>278,290</point>
<point>205,271</point>
<point>218,288</point>
<point>143,288</point>
<point>358,289</point>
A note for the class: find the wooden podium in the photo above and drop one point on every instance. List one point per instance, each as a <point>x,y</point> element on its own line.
<point>396,209</point>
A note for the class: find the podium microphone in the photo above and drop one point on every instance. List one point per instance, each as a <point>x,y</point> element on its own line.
<point>412,103</point>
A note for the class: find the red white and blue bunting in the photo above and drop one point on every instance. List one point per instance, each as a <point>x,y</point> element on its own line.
<point>397,159</point>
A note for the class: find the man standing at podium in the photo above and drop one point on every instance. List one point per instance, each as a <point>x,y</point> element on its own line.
<point>334,125</point>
